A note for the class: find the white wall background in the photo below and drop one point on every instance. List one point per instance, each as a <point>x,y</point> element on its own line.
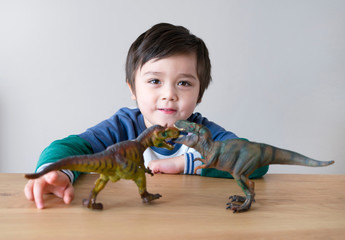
<point>278,70</point>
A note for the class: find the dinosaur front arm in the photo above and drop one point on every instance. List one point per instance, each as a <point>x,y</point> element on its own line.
<point>149,171</point>
<point>200,167</point>
<point>206,163</point>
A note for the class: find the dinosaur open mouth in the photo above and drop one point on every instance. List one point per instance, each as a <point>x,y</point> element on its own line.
<point>182,130</point>
<point>182,135</point>
<point>179,125</point>
<point>185,126</point>
<point>169,142</point>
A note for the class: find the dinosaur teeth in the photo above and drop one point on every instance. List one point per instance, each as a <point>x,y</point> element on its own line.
<point>168,142</point>
<point>179,128</point>
<point>184,135</point>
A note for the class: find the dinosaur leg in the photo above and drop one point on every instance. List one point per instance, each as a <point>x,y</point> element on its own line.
<point>99,185</point>
<point>248,188</point>
<point>145,196</point>
<point>242,199</point>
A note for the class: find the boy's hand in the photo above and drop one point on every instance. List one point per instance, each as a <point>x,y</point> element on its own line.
<point>55,182</point>
<point>173,165</point>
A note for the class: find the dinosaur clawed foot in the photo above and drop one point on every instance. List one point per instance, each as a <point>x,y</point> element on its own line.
<point>233,206</point>
<point>148,197</point>
<point>93,205</point>
<point>237,198</point>
<point>238,207</point>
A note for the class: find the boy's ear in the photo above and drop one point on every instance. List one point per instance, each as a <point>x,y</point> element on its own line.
<point>132,92</point>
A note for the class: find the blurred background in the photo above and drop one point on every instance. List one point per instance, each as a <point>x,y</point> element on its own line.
<point>278,71</point>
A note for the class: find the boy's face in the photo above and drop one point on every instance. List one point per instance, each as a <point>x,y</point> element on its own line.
<point>167,90</point>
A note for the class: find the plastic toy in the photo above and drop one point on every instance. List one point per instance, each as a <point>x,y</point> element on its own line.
<point>238,157</point>
<point>122,160</point>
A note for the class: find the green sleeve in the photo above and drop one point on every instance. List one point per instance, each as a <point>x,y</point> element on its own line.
<point>70,146</point>
<point>212,172</point>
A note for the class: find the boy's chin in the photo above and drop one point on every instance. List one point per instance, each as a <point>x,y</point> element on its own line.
<point>163,124</point>
<point>166,124</point>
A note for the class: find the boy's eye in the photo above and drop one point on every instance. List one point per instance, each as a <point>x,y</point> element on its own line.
<point>154,81</point>
<point>184,83</point>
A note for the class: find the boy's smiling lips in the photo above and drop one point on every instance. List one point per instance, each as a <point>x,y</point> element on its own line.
<point>167,110</point>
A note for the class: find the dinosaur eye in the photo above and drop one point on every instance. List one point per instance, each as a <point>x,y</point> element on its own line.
<point>160,134</point>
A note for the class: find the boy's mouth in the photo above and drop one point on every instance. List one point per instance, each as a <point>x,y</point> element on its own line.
<point>167,110</point>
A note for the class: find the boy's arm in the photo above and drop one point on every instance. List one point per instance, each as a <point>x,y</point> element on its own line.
<point>69,146</point>
<point>56,182</point>
<point>190,164</point>
<point>173,165</point>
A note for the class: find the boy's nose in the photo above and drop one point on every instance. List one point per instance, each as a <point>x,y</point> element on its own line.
<point>169,93</point>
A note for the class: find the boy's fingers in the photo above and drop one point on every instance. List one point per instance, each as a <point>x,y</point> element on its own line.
<point>57,183</point>
<point>53,178</point>
<point>68,194</point>
<point>57,178</point>
<point>54,182</point>
<point>60,185</point>
<point>28,190</point>
<point>38,193</point>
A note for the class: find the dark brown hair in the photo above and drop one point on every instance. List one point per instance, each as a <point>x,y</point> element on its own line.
<point>164,40</point>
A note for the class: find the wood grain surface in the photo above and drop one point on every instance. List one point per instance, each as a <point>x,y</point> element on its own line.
<point>287,206</point>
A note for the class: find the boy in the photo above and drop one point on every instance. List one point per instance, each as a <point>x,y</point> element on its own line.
<point>167,72</point>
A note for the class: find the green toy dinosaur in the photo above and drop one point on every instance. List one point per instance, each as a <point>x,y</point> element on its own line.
<point>123,160</point>
<point>238,157</point>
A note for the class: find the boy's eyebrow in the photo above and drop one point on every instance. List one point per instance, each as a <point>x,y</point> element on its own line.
<point>152,73</point>
<point>186,75</point>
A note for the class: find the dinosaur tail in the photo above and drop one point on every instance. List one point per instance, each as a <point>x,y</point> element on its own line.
<point>81,163</point>
<point>282,156</point>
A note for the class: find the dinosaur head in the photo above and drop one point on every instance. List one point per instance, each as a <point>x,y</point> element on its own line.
<point>161,135</point>
<point>196,132</point>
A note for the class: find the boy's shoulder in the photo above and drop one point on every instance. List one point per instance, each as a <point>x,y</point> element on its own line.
<point>127,115</point>
<point>125,124</point>
<point>125,111</point>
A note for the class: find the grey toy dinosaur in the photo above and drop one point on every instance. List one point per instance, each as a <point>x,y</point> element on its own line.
<point>238,157</point>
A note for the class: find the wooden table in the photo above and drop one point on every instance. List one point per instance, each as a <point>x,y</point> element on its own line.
<point>192,207</point>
